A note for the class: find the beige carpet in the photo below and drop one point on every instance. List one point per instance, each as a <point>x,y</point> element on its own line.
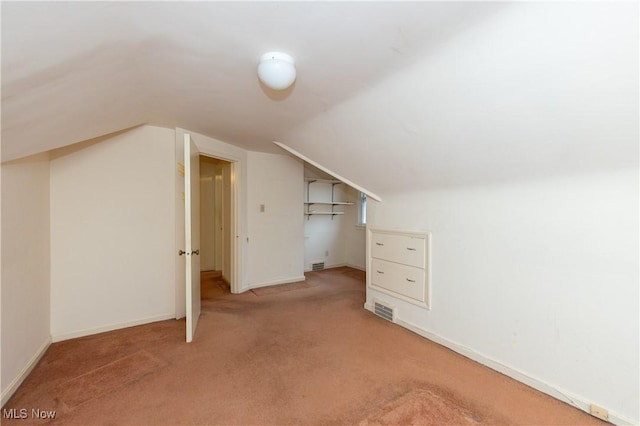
<point>109,378</point>
<point>427,408</point>
<point>307,355</point>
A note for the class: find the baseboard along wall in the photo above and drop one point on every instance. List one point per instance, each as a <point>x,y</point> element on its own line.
<point>340,265</point>
<point>15,383</point>
<point>276,282</point>
<point>111,327</point>
<point>540,385</point>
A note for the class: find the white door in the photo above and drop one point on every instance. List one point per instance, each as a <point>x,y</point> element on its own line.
<point>192,233</point>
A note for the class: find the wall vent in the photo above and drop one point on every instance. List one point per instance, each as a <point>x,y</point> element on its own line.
<point>318,266</point>
<point>383,311</point>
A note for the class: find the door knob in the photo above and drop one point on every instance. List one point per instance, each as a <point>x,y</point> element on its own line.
<point>196,252</point>
<point>181,252</point>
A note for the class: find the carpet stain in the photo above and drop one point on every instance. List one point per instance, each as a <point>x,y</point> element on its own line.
<point>108,378</point>
<point>423,407</point>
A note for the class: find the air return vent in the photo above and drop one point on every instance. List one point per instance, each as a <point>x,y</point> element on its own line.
<point>383,311</point>
<point>317,266</point>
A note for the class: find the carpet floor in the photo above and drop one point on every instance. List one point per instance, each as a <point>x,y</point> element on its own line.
<point>302,353</point>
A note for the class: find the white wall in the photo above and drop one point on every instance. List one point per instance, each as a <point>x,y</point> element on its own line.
<point>25,268</point>
<point>540,276</point>
<point>275,235</point>
<point>112,233</point>
<point>336,242</point>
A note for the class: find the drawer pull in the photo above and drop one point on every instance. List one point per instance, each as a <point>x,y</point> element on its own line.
<point>380,272</point>
<point>379,244</point>
<point>411,281</point>
<point>412,249</point>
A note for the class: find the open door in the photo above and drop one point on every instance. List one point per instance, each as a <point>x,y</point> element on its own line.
<point>192,233</point>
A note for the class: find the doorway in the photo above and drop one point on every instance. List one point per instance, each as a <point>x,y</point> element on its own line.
<point>216,212</point>
<point>187,243</point>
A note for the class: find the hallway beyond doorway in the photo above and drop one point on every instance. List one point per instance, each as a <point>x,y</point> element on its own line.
<point>212,285</point>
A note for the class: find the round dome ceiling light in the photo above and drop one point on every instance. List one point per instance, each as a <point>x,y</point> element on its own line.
<point>277,70</point>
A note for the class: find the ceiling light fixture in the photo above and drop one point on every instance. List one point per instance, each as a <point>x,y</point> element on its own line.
<point>277,70</point>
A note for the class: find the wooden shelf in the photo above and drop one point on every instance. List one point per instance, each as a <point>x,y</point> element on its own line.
<point>330,203</point>
<point>324,213</point>
<point>332,181</point>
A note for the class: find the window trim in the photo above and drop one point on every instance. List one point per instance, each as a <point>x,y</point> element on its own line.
<point>362,211</point>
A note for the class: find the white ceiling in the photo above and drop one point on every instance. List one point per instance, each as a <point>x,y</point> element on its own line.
<point>390,95</point>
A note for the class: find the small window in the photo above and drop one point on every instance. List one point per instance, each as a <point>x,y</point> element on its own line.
<point>362,210</point>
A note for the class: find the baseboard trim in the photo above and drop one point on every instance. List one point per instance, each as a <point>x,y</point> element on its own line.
<point>359,268</point>
<point>276,282</point>
<point>15,383</point>
<point>535,383</point>
<point>340,265</point>
<point>102,329</point>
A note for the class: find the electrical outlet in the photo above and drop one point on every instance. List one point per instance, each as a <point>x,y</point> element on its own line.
<point>599,412</point>
<point>326,253</point>
<point>261,208</point>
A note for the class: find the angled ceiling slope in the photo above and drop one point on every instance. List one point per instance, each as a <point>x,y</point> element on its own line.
<point>533,91</point>
<point>72,71</point>
<point>327,171</point>
<point>398,96</point>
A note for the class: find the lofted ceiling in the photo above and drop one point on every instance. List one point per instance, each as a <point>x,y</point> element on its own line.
<point>391,95</point>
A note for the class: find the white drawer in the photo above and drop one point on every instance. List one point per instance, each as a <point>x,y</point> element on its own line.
<point>401,279</point>
<point>404,249</point>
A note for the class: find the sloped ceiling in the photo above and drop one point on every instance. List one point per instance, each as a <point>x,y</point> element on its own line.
<point>390,95</point>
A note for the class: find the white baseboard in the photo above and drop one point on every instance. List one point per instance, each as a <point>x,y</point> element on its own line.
<point>540,385</point>
<point>15,383</point>
<point>359,268</point>
<point>276,282</point>
<point>89,331</point>
<point>339,265</point>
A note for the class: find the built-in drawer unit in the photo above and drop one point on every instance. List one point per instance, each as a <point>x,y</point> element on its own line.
<point>401,279</point>
<point>405,249</point>
<point>398,264</point>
